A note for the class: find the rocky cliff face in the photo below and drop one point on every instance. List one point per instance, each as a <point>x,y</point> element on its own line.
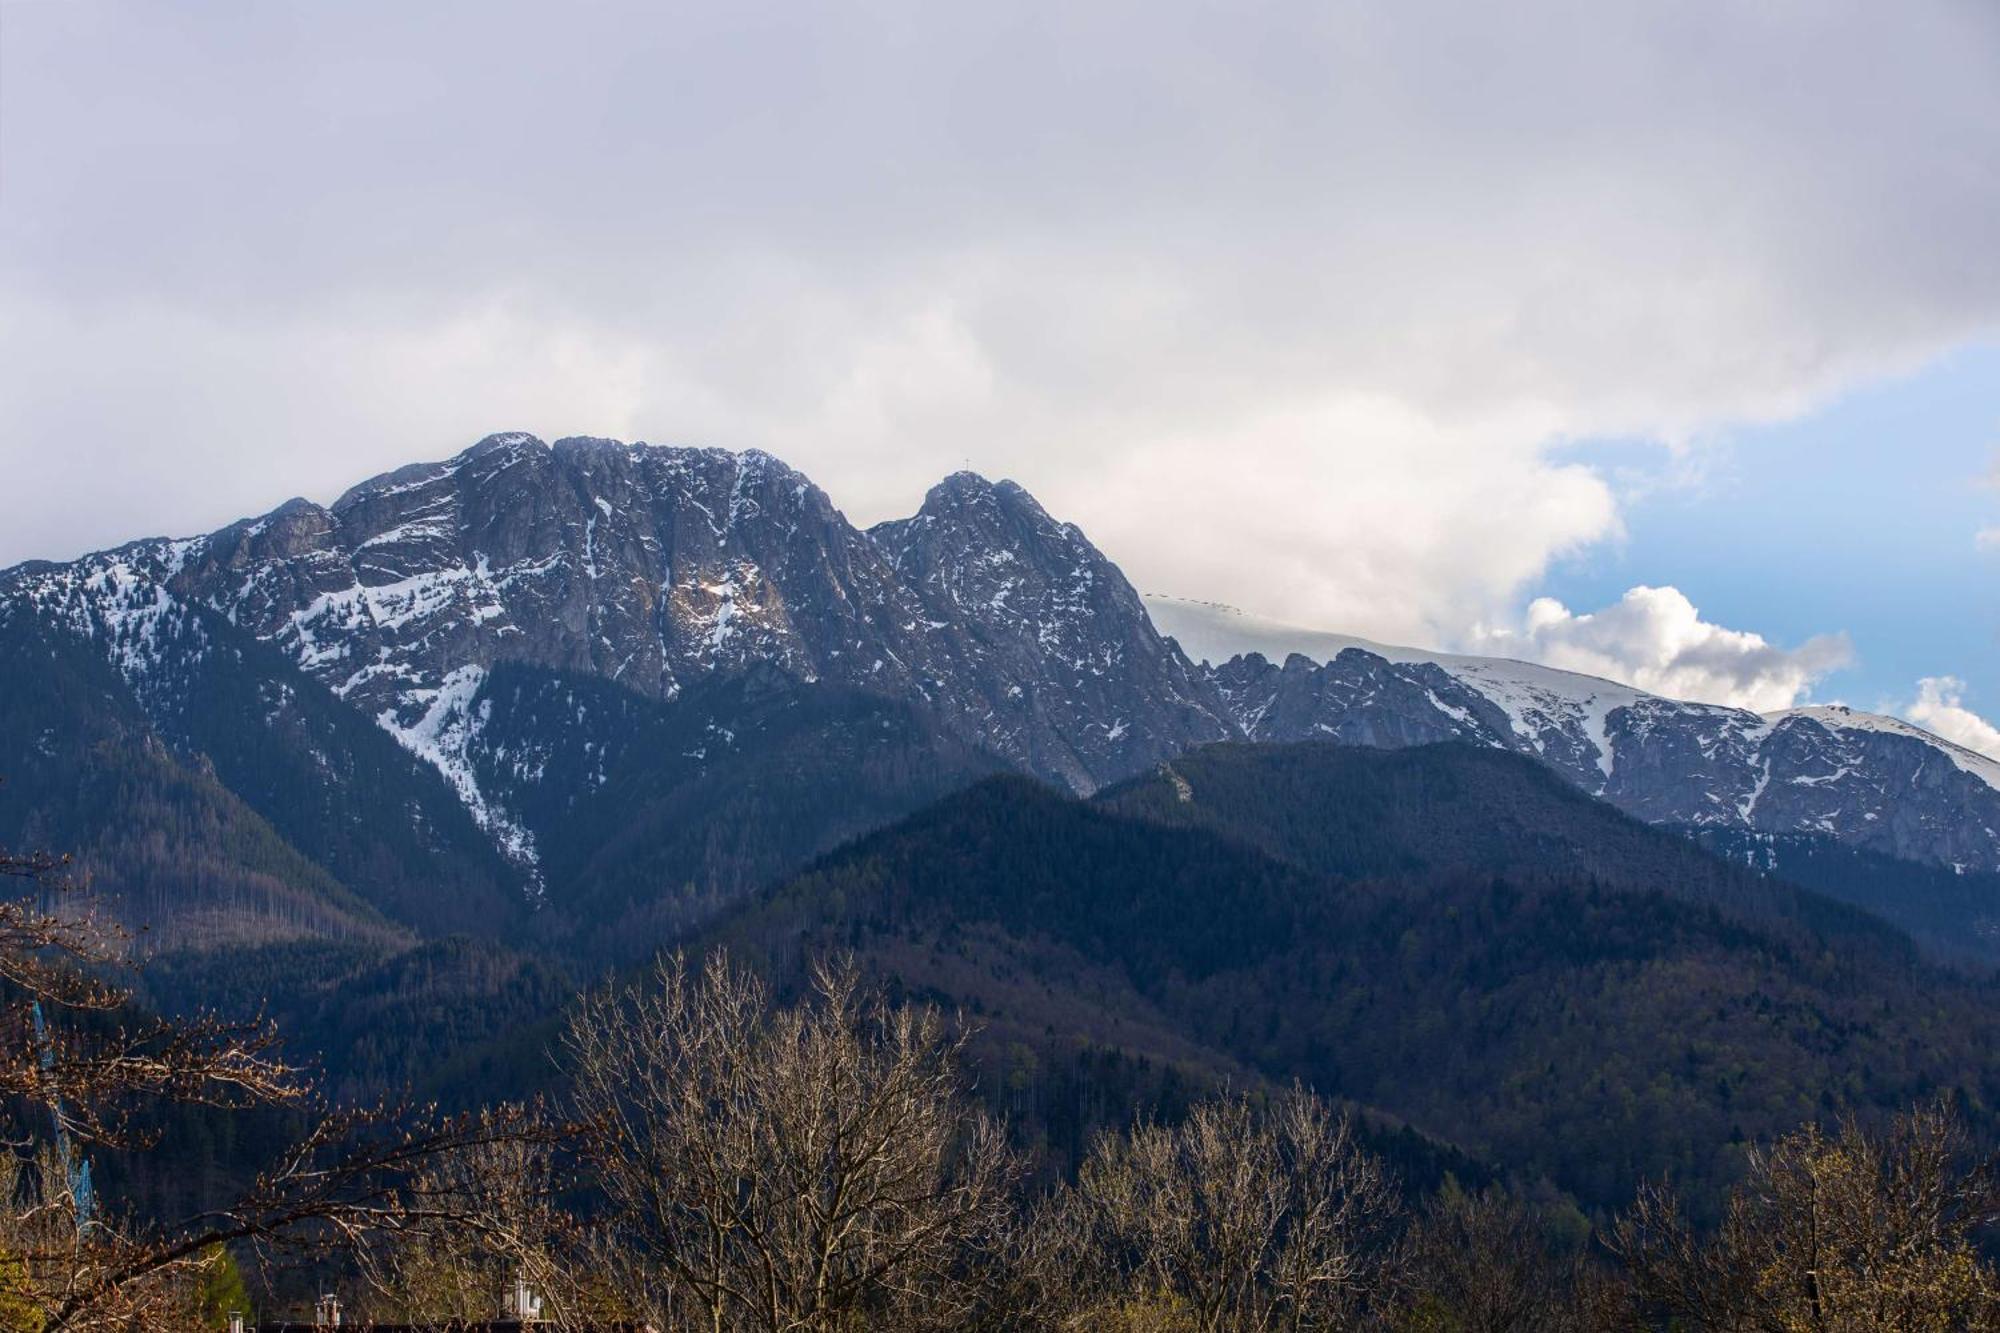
<point>1045,639</point>
<point>648,567</point>
<point>656,569</point>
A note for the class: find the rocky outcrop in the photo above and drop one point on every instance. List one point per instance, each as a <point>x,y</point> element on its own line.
<point>1051,650</point>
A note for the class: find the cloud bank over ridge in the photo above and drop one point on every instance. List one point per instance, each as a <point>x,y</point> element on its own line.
<point>1289,305</point>
<point>1655,638</point>
<point>1940,707</point>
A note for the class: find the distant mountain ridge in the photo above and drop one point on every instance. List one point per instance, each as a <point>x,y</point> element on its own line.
<point>630,582</point>
<point>1860,778</point>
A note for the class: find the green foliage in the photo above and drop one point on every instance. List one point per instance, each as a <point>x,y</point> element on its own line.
<point>1144,1314</point>
<point>220,1289</point>
<point>17,1310</point>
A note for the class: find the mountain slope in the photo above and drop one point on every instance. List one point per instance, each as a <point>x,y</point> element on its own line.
<point>1357,813</point>
<point>657,568</point>
<point>184,681</point>
<point>164,845</point>
<point>651,815</point>
<point>1953,914</point>
<point>317,655</point>
<point>1594,1031</point>
<point>1330,807</point>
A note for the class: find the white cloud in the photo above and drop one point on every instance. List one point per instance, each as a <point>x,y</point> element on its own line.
<point>1940,707</point>
<point>1286,307</point>
<point>1656,639</point>
<point>1987,539</point>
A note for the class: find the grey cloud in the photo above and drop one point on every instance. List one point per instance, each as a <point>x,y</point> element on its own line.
<point>1218,281</point>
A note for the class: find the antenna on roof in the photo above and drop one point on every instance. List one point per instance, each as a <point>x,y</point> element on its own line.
<point>521,1303</point>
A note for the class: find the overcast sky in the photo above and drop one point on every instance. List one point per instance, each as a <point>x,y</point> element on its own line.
<point>1522,326</point>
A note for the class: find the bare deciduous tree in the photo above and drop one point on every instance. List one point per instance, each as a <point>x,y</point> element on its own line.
<point>1238,1219</point>
<point>1489,1263</point>
<point>79,1057</point>
<point>432,1270</point>
<point>1832,1234</point>
<point>804,1168</point>
<point>56,953</point>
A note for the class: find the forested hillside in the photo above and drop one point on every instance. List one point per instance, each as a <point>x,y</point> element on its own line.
<point>1596,1003</point>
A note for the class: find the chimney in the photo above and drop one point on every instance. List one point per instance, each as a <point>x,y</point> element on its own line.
<point>327,1313</point>
<point>236,1321</point>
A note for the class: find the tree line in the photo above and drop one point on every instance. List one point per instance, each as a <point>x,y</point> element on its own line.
<point>823,1166</point>
<point>715,1159</point>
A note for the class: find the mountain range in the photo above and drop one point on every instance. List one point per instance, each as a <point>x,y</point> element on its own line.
<point>594,691</point>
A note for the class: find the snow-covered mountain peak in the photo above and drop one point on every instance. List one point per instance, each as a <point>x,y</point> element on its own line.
<point>591,444</point>
<point>957,485</point>
<point>657,568</point>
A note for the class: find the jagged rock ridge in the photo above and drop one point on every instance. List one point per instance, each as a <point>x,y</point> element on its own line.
<point>656,568</point>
